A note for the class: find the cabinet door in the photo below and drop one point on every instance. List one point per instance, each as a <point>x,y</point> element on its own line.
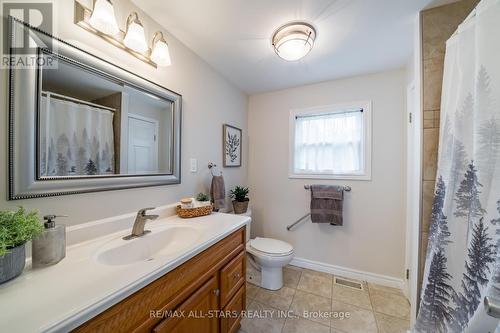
<point>197,314</point>
<point>231,318</point>
<point>232,277</point>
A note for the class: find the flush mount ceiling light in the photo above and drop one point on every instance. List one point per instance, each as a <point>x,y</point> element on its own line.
<point>160,54</point>
<point>135,37</point>
<point>103,18</point>
<point>294,41</point>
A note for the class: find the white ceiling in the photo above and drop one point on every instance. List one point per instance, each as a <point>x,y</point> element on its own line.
<point>233,36</point>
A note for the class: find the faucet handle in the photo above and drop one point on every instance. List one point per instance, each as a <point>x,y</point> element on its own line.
<point>143,211</point>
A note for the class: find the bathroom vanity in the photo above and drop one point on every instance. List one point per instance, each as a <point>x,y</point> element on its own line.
<point>177,278</point>
<point>205,294</point>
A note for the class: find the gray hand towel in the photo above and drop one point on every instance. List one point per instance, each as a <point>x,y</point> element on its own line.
<point>326,204</point>
<point>218,192</point>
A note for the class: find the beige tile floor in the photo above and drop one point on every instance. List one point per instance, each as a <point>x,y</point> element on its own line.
<point>376,309</point>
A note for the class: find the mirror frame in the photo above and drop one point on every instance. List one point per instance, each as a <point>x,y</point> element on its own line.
<point>24,91</point>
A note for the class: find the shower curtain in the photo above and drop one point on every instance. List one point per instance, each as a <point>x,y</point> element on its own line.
<point>75,139</point>
<point>463,263</point>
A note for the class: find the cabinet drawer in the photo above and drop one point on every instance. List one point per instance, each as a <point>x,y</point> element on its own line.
<point>232,277</point>
<point>196,314</point>
<point>230,322</point>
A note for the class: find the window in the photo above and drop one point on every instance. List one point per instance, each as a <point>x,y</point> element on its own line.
<point>331,142</point>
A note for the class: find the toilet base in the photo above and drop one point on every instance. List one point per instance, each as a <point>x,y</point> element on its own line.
<point>266,270</point>
<point>272,278</point>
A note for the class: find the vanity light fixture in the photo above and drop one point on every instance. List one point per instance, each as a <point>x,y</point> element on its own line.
<point>103,18</point>
<point>135,37</point>
<point>293,41</point>
<point>160,54</point>
<point>133,40</point>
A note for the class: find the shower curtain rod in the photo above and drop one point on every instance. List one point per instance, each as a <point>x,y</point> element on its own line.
<point>79,101</point>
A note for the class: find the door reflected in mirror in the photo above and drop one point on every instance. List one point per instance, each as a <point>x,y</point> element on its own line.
<point>91,124</point>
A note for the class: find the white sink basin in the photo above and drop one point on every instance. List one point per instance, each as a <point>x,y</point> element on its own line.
<point>163,242</point>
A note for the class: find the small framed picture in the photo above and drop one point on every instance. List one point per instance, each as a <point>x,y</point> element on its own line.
<point>231,144</point>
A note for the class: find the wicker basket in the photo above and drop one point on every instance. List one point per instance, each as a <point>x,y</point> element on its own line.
<point>187,213</point>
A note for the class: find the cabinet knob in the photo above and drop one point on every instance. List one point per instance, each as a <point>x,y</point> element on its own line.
<point>216,292</point>
<point>236,276</point>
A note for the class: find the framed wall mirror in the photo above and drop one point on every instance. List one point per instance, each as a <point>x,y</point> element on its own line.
<point>78,123</point>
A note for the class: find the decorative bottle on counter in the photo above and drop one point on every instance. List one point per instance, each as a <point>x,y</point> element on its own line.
<point>49,247</point>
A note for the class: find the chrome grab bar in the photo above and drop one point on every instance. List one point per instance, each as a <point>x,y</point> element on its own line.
<point>296,222</point>
<point>492,306</point>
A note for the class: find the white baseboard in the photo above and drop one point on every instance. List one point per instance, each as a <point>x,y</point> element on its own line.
<point>384,280</point>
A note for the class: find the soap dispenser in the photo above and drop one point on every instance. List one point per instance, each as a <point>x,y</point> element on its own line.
<point>50,246</point>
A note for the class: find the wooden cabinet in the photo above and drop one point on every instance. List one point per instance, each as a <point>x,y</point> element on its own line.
<point>205,294</point>
<point>231,316</point>
<point>196,314</point>
<point>232,277</point>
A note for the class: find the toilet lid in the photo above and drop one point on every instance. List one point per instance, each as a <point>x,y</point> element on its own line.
<point>271,246</point>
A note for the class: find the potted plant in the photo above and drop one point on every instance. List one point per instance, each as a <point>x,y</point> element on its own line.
<point>240,199</point>
<point>203,199</point>
<point>16,228</point>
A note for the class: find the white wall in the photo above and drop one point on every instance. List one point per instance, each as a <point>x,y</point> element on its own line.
<point>373,236</point>
<point>209,100</point>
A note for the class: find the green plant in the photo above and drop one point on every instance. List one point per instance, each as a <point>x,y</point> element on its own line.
<point>240,193</point>
<point>202,197</point>
<point>17,227</point>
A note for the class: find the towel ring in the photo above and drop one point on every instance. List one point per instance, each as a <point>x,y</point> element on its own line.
<point>212,167</point>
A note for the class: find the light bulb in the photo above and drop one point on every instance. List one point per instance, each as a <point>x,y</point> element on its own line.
<point>103,18</point>
<point>135,37</point>
<point>160,54</point>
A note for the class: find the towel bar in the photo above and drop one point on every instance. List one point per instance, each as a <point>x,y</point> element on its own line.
<point>347,188</point>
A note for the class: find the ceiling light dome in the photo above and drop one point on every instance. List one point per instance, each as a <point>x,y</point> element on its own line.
<point>294,41</point>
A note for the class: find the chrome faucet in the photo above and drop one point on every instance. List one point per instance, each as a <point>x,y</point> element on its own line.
<point>140,222</point>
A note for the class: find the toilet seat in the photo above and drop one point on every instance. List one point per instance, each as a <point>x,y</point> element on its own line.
<point>271,247</point>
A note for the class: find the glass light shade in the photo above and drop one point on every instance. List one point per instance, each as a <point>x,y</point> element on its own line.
<point>161,55</point>
<point>135,38</point>
<point>103,18</point>
<point>294,40</point>
<point>294,46</point>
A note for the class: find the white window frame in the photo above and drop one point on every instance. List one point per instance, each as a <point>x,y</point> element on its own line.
<point>366,106</point>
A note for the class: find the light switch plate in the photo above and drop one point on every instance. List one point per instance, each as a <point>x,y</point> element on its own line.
<point>194,165</point>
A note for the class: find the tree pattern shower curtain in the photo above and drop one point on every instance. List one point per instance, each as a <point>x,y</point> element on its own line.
<point>75,139</point>
<point>463,262</point>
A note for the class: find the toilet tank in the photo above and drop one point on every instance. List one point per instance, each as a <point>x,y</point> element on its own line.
<point>249,214</point>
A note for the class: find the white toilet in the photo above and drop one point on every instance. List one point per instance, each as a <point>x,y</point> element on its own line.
<point>268,256</point>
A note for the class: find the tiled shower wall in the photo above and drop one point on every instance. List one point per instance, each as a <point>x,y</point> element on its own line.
<point>438,24</point>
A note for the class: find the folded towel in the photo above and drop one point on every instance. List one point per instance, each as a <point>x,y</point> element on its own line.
<point>326,204</point>
<point>218,192</point>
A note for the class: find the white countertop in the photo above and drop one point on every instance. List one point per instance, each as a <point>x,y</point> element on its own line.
<point>62,297</point>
